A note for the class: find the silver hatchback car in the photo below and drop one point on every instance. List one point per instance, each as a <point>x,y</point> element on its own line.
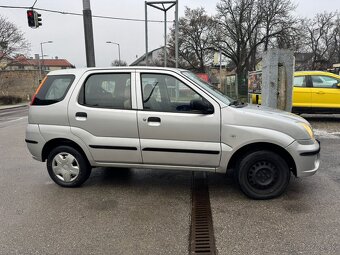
<point>163,118</point>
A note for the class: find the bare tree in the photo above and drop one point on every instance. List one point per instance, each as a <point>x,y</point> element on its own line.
<point>118,62</point>
<point>277,22</point>
<point>12,42</point>
<point>244,26</point>
<point>236,32</point>
<point>321,36</point>
<point>193,40</point>
<point>334,49</point>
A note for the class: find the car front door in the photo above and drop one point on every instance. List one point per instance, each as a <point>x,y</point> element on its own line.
<point>102,112</point>
<point>172,130</point>
<point>325,93</point>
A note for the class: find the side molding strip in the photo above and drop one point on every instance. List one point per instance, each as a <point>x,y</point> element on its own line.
<point>181,150</point>
<point>30,141</point>
<point>126,148</point>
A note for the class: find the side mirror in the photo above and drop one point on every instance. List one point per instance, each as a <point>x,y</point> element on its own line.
<point>338,85</point>
<point>202,106</point>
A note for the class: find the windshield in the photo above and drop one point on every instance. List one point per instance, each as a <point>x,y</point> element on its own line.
<point>208,87</point>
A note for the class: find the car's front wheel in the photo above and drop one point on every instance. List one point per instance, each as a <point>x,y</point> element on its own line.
<point>262,174</point>
<point>67,167</point>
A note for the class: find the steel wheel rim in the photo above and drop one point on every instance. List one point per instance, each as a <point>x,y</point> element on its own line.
<point>263,175</point>
<point>65,167</point>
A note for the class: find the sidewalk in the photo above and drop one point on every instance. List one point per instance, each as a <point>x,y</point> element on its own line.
<point>4,107</point>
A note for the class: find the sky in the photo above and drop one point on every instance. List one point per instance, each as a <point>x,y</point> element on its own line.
<point>67,32</point>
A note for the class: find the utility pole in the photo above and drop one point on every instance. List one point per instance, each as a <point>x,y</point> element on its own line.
<point>41,60</point>
<point>118,50</point>
<point>176,34</point>
<point>88,32</point>
<point>221,69</point>
<point>165,41</point>
<point>146,34</point>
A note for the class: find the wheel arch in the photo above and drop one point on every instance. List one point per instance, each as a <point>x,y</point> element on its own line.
<point>262,146</point>
<point>50,145</point>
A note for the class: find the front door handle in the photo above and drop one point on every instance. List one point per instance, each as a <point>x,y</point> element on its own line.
<point>154,119</point>
<point>81,116</point>
<point>320,92</point>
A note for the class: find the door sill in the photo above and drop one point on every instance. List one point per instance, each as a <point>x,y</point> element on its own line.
<point>151,166</point>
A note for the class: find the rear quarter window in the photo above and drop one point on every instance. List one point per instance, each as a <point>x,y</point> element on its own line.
<point>53,90</point>
<point>299,81</point>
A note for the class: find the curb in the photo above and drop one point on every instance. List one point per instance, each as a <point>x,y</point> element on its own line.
<point>6,107</point>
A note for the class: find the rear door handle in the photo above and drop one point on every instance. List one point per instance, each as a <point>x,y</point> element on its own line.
<point>320,92</point>
<point>81,116</point>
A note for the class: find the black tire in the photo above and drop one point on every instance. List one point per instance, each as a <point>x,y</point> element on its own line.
<point>262,174</point>
<point>78,162</point>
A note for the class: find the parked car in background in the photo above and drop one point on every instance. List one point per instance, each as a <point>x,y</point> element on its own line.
<point>163,118</point>
<point>314,92</point>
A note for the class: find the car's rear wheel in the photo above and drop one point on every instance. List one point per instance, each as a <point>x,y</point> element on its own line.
<point>262,174</point>
<point>67,167</point>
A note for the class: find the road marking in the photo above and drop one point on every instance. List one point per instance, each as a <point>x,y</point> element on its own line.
<point>21,118</point>
<point>12,111</point>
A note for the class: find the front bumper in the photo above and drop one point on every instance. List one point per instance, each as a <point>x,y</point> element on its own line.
<point>306,155</point>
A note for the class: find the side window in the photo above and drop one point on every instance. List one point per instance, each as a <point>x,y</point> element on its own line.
<point>53,90</point>
<point>300,81</point>
<point>166,93</point>
<point>107,91</point>
<point>320,81</point>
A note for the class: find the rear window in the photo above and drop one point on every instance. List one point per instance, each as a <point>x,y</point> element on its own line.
<point>53,90</point>
<point>107,90</point>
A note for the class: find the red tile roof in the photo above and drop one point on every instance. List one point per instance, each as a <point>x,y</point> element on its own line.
<point>53,62</point>
<point>22,60</point>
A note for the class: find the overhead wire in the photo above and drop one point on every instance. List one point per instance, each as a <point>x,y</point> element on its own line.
<point>80,14</point>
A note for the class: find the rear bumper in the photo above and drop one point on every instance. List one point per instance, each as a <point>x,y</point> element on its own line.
<point>34,140</point>
<point>306,157</point>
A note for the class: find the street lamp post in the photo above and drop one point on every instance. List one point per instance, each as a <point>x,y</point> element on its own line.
<point>41,61</point>
<point>118,50</point>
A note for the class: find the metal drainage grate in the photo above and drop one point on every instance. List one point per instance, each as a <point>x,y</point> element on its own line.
<point>202,240</point>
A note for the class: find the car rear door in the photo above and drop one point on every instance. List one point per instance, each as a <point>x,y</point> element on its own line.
<point>171,133</point>
<point>302,96</point>
<point>102,112</point>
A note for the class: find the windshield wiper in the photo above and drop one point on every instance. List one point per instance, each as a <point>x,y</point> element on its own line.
<point>234,102</point>
<point>237,103</point>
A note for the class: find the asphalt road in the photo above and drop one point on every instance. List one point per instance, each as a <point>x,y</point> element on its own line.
<point>8,117</point>
<point>128,211</point>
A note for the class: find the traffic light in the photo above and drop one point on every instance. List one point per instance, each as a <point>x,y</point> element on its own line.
<point>38,19</point>
<point>34,19</point>
<point>30,18</point>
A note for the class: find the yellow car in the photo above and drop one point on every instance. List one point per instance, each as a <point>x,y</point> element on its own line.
<point>314,92</point>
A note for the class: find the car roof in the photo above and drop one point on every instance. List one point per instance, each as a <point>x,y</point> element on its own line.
<point>80,71</point>
<point>300,73</point>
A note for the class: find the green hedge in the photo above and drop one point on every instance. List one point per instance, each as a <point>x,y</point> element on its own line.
<point>10,100</point>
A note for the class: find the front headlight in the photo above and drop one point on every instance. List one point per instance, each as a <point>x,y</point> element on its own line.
<point>308,129</point>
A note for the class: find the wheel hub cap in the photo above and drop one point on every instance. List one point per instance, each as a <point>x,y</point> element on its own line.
<point>65,167</point>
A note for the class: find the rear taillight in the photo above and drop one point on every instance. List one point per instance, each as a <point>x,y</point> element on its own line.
<point>38,89</point>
